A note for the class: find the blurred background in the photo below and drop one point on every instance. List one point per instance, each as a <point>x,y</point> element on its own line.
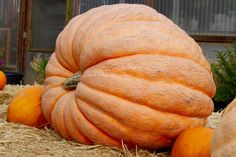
<point>29,27</point>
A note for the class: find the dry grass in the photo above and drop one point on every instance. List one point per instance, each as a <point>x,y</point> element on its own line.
<point>20,141</point>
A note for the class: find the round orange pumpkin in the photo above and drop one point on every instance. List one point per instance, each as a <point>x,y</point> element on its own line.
<point>3,80</point>
<point>25,107</point>
<point>143,79</point>
<point>193,142</point>
<point>224,138</point>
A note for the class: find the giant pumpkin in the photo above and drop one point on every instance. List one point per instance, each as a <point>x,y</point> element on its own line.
<point>126,73</point>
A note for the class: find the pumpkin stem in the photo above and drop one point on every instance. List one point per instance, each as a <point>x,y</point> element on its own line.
<point>71,82</point>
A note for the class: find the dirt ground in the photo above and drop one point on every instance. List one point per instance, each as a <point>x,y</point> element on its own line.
<point>22,141</point>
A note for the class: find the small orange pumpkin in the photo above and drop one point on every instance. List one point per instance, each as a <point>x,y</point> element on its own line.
<point>3,80</point>
<point>193,142</point>
<point>25,107</point>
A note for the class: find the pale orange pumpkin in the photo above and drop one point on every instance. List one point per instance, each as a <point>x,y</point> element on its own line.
<point>193,142</point>
<point>224,138</point>
<point>25,107</point>
<point>3,80</point>
<point>229,107</point>
<point>143,79</point>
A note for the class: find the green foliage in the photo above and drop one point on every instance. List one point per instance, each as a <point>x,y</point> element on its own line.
<point>224,72</point>
<point>39,65</point>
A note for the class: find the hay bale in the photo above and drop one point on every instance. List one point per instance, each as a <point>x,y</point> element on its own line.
<point>19,140</point>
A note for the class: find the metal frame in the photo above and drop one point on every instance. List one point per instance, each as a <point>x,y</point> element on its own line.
<point>8,46</point>
<point>212,38</point>
<point>8,30</point>
<point>25,32</point>
<point>29,46</point>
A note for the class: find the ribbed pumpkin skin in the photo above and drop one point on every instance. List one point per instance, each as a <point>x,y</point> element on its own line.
<point>224,138</point>
<point>144,80</point>
<point>193,142</point>
<point>25,107</point>
<point>3,80</point>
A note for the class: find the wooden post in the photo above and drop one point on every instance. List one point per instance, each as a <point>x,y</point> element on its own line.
<point>21,46</point>
<point>150,3</point>
<point>9,25</point>
<point>75,7</point>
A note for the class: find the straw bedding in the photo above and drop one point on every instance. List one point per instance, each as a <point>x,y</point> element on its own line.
<point>20,141</point>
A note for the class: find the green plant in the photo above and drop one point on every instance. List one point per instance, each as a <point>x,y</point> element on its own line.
<point>224,71</point>
<point>38,65</point>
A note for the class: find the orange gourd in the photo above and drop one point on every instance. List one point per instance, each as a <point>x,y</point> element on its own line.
<point>3,80</point>
<point>25,107</point>
<point>224,138</point>
<point>126,72</point>
<point>193,142</point>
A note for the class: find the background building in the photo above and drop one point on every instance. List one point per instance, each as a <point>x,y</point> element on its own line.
<point>30,27</point>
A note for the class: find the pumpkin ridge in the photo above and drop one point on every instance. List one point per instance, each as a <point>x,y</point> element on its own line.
<point>107,39</point>
<point>59,61</point>
<point>74,121</point>
<point>86,25</point>
<point>150,105</point>
<point>98,31</point>
<point>68,64</point>
<point>146,76</point>
<point>139,103</point>
<point>67,97</point>
<point>71,125</point>
<point>59,109</point>
<point>97,106</point>
<point>166,80</point>
<point>128,143</point>
<point>178,35</point>
<point>74,49</point>
<point>76,22</point>
<point>163,53</point>
<point>71,28</point>
<point>48,109</point>
<point>115,142</point>
<point>110,25</point>
<point>112,9</point>
<point>97,126</point>
<point>170,81</point>
<point>54,64</point>
<point>137,132</point>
